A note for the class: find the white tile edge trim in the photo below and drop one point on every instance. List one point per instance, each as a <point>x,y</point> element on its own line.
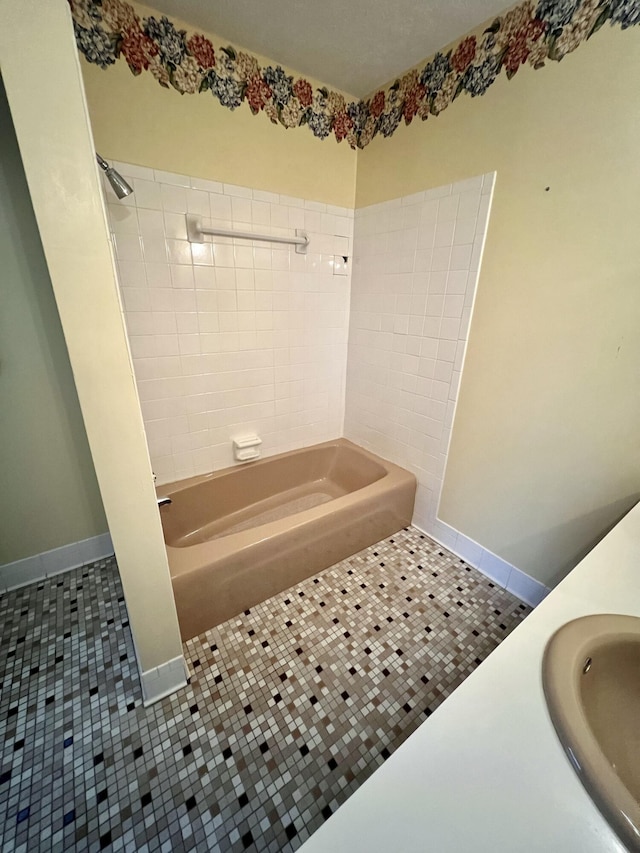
<point>509,577</point>
<point>54,562</point>
<point>163,680</point>
<point>488,182</point>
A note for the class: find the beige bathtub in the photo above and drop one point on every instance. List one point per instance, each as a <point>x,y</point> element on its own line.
<point>238,536</point>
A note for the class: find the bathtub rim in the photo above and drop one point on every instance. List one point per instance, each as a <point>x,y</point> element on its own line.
<point>184,560</point>
<point>176,486</point>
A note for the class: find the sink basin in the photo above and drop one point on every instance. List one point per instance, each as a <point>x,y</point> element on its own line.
<point>591,680</point>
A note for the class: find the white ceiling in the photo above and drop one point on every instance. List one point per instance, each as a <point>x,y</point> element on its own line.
<point>355,45</point>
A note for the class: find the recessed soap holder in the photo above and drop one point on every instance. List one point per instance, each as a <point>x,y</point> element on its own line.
<point>246,448</point>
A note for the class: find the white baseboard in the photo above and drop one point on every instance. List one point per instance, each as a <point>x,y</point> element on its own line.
<point>501,572</point>
<point>163,680</point>
<point>156,683</point>
<point>48,563</point>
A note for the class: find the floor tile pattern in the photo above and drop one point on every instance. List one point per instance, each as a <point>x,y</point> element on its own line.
<point>290,706</point>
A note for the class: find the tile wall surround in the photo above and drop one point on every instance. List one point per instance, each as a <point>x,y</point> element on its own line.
<point>415,270</point>
<point>233,338</point>
<point>230,337</point>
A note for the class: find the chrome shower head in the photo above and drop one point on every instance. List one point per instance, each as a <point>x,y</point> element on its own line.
<point>118,184</point>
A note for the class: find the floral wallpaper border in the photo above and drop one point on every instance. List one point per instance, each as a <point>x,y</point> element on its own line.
<point>532,32</point>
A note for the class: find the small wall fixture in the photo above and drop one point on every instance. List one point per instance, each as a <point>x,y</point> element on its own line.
<point>196,232</point>
<point>339,264</point>
<point>247,448</point>
<point>118,184</point>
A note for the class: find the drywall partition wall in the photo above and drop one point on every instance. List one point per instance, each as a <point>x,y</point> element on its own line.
<point>42,78</point>
<point>544,453</point>
<point>416,265</point>
<point>137,121</point>
<point>49,496</point>
<point>230,337</point>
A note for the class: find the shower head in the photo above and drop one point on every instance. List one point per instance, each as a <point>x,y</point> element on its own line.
<point>118,184</point>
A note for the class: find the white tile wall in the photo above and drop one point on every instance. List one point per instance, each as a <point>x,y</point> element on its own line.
<point>416,266</point>
<point>230,337</point>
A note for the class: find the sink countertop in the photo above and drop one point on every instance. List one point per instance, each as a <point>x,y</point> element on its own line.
<point>487,773</point>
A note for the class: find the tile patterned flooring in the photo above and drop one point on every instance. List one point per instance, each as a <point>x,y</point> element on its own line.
<point>290,706</point>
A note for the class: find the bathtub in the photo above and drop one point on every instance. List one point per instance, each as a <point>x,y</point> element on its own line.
<point>238,536</point>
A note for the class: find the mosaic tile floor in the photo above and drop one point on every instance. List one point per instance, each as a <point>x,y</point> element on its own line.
<point>290,707</point>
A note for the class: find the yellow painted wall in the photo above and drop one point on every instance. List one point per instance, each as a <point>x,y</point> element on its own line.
<point>545,452</point>
<point>49,495</point>
<point>135,120</point>
<point>544,456</point>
